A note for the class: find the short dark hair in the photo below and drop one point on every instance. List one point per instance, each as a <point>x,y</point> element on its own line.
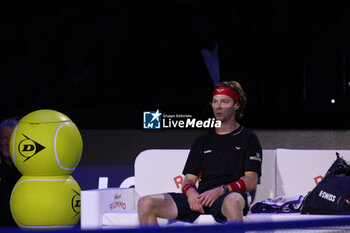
<point>9,122</point>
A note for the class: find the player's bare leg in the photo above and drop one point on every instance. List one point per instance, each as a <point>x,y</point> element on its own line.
<point>153,206</point>
<point>232,207</point>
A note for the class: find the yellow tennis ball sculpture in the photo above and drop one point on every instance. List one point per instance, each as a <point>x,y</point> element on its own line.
<point>46,143</point>
<point>45,202</point>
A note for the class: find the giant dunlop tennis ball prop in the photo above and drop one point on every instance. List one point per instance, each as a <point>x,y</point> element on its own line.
<point>46,143</point>
<point>46,202</point>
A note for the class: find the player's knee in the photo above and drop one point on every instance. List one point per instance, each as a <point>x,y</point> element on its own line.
<point>233,203</point>
<point>145,204</point>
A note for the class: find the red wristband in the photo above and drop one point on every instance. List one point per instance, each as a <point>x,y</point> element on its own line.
<point>238,185</point>
<point>186,187</point>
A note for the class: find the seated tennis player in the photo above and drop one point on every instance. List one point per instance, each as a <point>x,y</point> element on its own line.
<point>226,159</point>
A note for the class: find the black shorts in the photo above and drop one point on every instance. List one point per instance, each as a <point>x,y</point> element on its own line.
<point>187,215</point>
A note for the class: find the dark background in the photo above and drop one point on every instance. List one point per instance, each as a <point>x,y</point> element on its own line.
<point>103,63</point>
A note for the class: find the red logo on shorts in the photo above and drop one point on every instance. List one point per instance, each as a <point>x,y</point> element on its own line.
<point>318,179</point>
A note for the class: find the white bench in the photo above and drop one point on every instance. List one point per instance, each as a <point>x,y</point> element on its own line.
<point>284,173</point>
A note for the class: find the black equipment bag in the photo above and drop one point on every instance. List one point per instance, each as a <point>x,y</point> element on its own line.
<point>332,194</point>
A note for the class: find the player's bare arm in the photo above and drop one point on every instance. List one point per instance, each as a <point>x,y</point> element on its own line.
<point>192,193</point>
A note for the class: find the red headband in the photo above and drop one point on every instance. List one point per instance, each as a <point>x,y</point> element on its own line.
<point>226,91</point>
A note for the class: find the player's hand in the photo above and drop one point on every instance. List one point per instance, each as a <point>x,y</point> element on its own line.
<point>193,200</point>
<point>209,197</point>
